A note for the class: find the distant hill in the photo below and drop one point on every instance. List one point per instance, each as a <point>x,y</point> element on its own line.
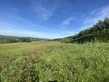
<point>15,39</point>
<point>98,32</point>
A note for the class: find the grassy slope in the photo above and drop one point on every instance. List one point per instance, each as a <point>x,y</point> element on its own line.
<point>46,61</point>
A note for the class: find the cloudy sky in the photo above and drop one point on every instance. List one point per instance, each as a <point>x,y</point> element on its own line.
<point>50,18</point>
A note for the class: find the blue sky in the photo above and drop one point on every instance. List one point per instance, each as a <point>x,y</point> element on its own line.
<point>50,18</point>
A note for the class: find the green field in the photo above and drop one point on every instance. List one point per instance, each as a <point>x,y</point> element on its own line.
<point>45,61</point>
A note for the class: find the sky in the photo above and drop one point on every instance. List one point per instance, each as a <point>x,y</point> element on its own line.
<point>50,18</point>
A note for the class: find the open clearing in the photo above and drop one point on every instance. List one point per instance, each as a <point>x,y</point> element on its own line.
<point>45,61</point>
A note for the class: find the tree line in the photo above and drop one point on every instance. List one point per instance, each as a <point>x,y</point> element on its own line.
<point>11,39</point>
<point>98,32</point>
<point>15,39</point>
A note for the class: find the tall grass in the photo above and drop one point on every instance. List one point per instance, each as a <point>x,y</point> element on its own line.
<point>52,61</point>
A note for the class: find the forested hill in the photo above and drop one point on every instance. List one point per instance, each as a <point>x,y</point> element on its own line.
<point>15,39</point>
<point>98,32</point>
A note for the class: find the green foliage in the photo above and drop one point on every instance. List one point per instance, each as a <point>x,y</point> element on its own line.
<point>98,32</point>
<point>63,40</point>
<point>13,39</point>
<point>55,62</point>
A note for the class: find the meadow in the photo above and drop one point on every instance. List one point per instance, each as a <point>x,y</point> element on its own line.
<point>50,61</point>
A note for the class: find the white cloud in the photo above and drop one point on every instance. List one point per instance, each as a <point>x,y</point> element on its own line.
<point>17,26</point>
<point>37,34</point>
<point>43,9</point>
<point>94,11</point>
<point>67,21</point>
<point>12,29</point>
<point>16,21</point>
<point>24,33</point>
<point>95,16</point>
<point>100,15</point>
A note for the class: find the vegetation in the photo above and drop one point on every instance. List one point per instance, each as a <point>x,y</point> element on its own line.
<point>14,39</point>
<point>46,61</point>
<point>98,32</point>
<point>52,61</point>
